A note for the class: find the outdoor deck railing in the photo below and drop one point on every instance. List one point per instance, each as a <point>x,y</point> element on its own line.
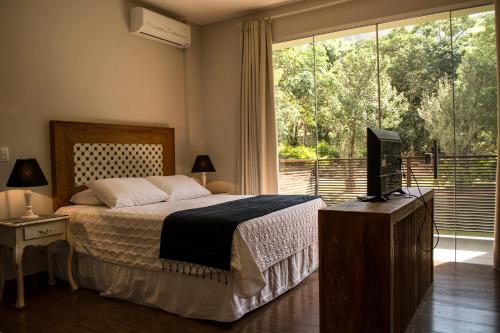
<point>467,180</point>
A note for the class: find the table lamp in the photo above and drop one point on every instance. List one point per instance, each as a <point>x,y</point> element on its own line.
<point>203,164</point>
<point>27,173</point>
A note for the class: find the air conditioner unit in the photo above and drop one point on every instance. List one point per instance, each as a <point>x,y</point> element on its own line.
<point>151,25</point>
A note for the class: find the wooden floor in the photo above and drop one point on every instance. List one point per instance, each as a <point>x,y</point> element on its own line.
<point>465,298</point>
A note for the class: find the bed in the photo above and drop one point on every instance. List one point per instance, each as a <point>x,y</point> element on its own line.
<point>117,248</point>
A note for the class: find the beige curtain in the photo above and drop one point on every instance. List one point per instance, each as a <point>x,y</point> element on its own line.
<point>258,165</point>
<point>496,245</point>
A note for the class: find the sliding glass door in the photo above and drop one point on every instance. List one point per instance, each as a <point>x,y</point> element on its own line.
<point>416,55</point>
<point>475,141</point>
<point>430,78</point>
<point>346,80</point>
<point>295,99</point>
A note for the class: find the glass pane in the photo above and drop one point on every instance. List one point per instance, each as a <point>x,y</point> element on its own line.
<point>436,84</point>
<point>414,61</point>
<point>346,73</point>
<point>417,101</point>
<point>296,115</point>
<point>476,132</point>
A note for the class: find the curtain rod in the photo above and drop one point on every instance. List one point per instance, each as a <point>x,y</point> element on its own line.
<point>299,11</point>
<point>309,9</point>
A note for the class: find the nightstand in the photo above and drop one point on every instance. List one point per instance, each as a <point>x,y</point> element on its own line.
<point>42,231</point>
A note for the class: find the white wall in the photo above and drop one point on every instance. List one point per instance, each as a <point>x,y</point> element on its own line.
<point>76,61</point>
<point>195,140</point>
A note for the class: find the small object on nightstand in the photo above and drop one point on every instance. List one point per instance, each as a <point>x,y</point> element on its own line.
<point>27,173</point>
<point>203,164</point>
<point>41,231</point>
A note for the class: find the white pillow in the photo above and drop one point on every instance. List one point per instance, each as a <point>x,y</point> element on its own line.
<point>179,187</point>
<point>126,192</point>
<point>86,197</point>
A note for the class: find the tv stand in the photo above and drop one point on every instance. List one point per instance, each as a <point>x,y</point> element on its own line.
<point>372,272</point>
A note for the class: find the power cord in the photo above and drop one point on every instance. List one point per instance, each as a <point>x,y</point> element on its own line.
<point>429,213</point>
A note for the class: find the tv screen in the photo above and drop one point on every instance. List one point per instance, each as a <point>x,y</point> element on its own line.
<point>383,162</point>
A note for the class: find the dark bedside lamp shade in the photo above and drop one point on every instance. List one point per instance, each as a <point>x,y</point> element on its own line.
<point>203,164</point>
<point>27,173</point>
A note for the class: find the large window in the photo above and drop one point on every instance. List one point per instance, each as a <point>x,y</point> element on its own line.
<point>295,97</point>
<point>431,78</point>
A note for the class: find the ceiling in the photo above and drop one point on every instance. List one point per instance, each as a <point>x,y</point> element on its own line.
<point>209,11</point>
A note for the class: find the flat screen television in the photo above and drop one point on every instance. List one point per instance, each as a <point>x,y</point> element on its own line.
<point>383,162</point>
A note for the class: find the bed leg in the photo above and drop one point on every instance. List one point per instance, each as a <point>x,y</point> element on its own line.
<point>71,280</point>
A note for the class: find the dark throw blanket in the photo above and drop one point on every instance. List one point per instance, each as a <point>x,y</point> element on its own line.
<point>204,235</point>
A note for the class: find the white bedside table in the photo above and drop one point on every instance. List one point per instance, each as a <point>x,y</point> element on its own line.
<point>18,234</point>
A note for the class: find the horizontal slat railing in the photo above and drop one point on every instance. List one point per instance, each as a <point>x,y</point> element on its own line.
<point>344,179</point>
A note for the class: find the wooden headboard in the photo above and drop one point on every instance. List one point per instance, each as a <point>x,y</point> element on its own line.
<point>83,152</point>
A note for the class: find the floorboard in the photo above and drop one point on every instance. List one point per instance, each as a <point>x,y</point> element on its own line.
<point>464,298</point>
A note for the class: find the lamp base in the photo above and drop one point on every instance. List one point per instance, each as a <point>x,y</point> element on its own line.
<point>204,179</point>
<point>29,209</point>
<point>28,216</point>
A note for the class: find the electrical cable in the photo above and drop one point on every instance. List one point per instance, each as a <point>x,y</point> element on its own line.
<point>429,213</point>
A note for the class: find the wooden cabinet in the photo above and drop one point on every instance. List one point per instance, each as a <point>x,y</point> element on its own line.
<point>374,270</point>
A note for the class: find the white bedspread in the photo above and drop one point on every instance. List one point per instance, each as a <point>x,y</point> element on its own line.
<point>130,236</point>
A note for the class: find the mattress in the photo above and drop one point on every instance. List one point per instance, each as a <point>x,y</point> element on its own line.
<point>130,237</point>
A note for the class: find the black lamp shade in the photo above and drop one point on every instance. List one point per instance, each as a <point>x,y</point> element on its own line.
<point>26,173</point>
<point>203,164</point>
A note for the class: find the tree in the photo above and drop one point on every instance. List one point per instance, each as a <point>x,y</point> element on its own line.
<point>335,84</point>
<point>294,78</point>
<point>416,58</point>
<point>352,95</point>
<point>475,130</point>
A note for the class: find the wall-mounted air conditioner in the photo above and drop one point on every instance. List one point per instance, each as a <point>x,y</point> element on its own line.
<point>151,25</point>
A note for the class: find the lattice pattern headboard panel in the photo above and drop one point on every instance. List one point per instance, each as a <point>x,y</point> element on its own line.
<point>116,160</point>
<point>83,152</point>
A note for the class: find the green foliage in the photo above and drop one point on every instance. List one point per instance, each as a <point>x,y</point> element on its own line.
<point>415,58</point>
<point>475,98</point>
<point>327,151</point>
<point>295,94</point>
<point>302,152</point>
<point>296,152</point>
<point>335,81</point>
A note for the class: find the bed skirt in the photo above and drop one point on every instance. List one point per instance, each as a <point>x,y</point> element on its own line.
<point>188,296</point>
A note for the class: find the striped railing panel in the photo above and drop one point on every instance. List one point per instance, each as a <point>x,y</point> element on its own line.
<point>468,181</point>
